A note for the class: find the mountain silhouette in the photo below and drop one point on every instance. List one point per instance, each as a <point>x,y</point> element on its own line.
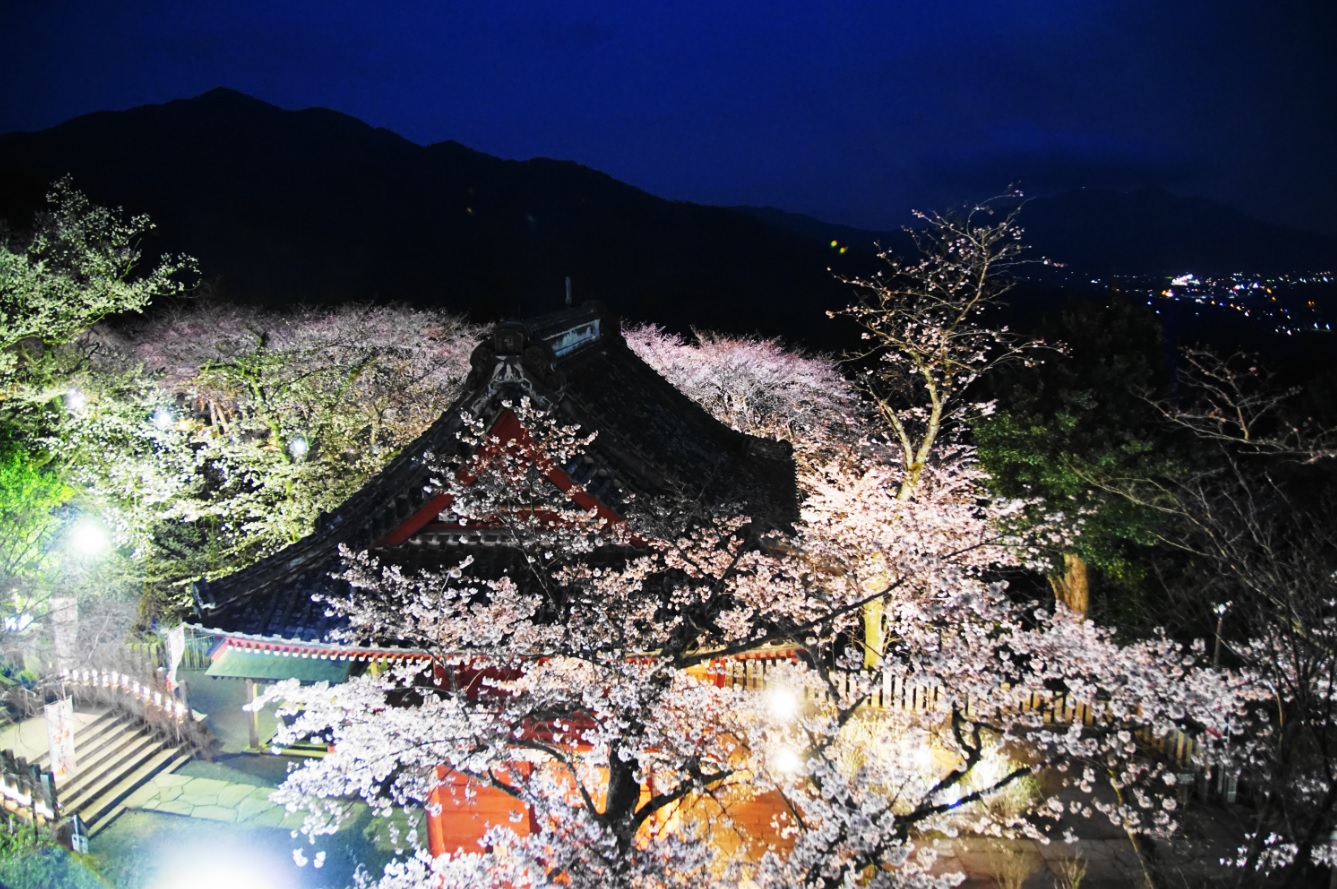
<point>1152,231</point>
<point>1147,231</point>
<point>313,206</point>
<point>284,207</point>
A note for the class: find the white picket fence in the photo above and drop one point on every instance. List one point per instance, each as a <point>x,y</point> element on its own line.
<point>893,692</point>
<point>145,698</point>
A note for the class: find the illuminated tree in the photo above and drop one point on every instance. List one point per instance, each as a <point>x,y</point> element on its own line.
<point>926,327</point>
<point>79,265</point>
<point>571,670</point>
<point>928,338</point>
<point>30,496</point>
<point>761,387</point>
<point>220,434</point>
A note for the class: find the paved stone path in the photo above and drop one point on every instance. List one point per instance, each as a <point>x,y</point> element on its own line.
<point>214,800</point>
<point>1104,863</point>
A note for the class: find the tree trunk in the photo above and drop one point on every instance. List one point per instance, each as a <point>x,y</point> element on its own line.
<point>874,634</point>
<point>1072,587</point>
<point>624,790</point>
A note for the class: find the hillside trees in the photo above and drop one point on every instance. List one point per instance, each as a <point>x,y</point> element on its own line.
<point>1066,436</point>
<point>1265,534</point>
<point>80,264</point>
<point>31,499</point>
<point>219,434</point>
<point>762,387</point>
<point>857,520</point>
<point>1258,519</point>
<point>1237,402</point>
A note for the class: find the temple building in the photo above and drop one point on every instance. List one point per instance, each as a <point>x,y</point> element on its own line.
<point>268,620</point>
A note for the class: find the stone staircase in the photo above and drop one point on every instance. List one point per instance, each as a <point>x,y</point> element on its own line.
<point>115,756</point>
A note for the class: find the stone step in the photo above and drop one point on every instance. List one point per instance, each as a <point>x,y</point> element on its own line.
<point>133,751</point>
<point>102,756</point>
<point>114,792</point>
<point>114,758</point>
<point>102,722</point>
<point>112,804</point>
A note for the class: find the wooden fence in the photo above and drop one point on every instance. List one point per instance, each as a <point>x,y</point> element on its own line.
<point>145,697</point>
<point>897,693</point>
<point>27,790</point>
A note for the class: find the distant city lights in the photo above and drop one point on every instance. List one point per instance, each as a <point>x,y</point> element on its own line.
<point>1288,304</point>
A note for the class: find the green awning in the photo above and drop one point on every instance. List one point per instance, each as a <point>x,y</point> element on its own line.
<point>236,663</point>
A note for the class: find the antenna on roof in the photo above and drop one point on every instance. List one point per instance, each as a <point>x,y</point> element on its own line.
<point>568,290</point>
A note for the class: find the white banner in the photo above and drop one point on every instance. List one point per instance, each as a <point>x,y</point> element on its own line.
<point>60,737</point>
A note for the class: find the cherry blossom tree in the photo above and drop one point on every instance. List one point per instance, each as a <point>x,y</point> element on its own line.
<point>216,434</point>
<point>761,387</point>
<point>77,265</point>
<point>928,337</point>
<point>572,666</point>
<point>580,710</point>
<point>80,264</point>
<point>926,328</point>
<point>1273,579</point>
<point>1257,520</point>
<point>1237,401</point>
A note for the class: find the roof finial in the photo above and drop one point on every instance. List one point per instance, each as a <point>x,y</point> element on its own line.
<point>568,290</point>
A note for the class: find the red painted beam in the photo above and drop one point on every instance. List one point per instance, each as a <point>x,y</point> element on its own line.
<point>506,432</point>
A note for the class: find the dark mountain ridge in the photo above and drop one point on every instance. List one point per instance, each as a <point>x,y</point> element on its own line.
<point>1152,231</point>
<point>314,206</point>
<point>1146,231</point>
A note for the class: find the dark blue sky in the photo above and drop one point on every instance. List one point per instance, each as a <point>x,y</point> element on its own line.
<point>851,111</point>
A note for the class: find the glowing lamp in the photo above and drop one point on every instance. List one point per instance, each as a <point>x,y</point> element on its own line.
<point>782,704</point>
<point>87,537</point>
<point>787,760</point>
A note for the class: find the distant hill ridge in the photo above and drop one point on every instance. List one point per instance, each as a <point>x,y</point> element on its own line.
<point>315,206</point>
<point>1143,231</point>
<point>1150,230</point>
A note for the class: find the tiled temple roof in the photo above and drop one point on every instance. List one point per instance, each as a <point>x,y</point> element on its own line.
<point>653,442</point>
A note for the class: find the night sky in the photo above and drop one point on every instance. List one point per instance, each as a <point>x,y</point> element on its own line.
<point>853,112</point>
